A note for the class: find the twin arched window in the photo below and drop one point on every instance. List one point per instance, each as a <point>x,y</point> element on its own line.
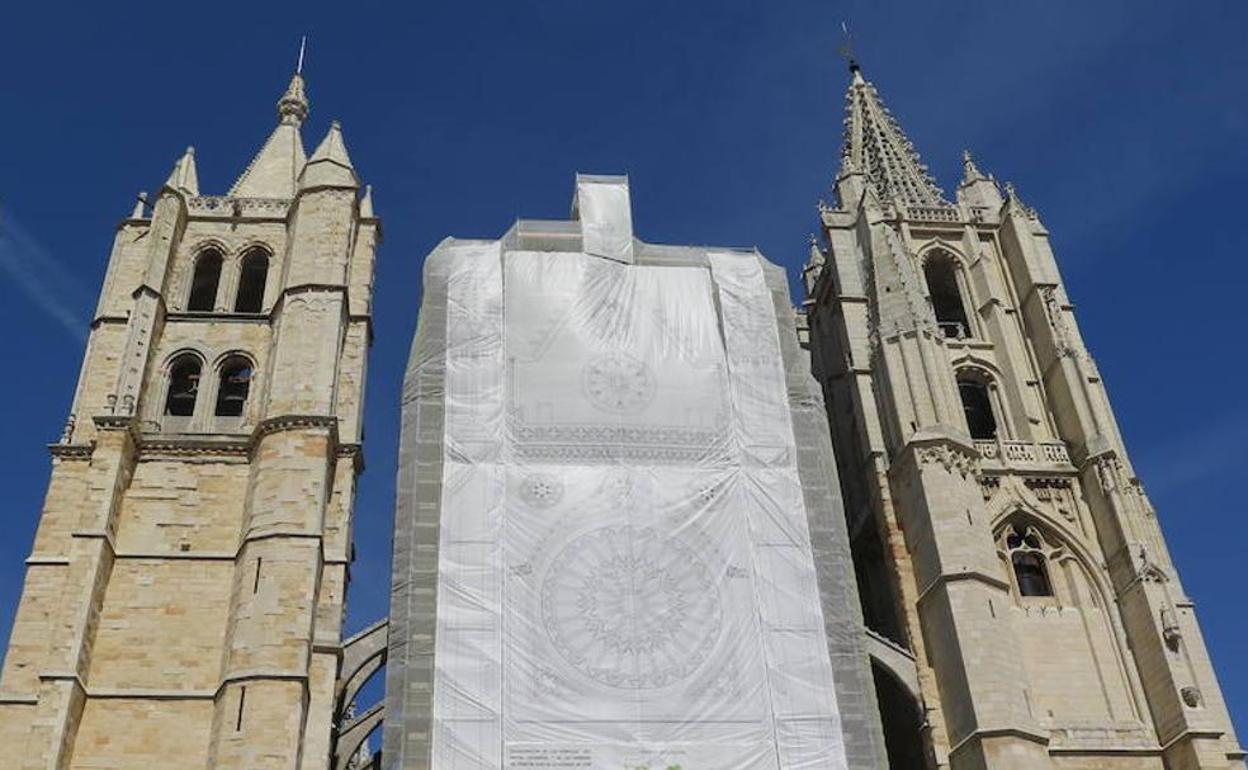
<point>206,278</point>
<point>941,273</point>
<point>233,386</point>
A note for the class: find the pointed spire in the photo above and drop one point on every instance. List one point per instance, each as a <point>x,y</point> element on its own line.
<point>140,206</point>
<point>970,172</point>
<point>184,176</point>
<point>876,146</point>
<point>366,204</point>
<point>1016,204</point>
<point>273,171</point>
<point>977,188</point>
<point>330,165</point>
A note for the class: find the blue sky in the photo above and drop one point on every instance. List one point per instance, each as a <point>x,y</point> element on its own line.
<point>1122,122</point>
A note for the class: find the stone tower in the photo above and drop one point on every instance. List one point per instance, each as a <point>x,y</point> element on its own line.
<point>183,603</point>
<point>1004,546</point>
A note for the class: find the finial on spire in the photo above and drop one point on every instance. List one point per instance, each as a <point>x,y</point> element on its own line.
<point>292,108</point>
<point>847,52</point>
<point>970,172</point>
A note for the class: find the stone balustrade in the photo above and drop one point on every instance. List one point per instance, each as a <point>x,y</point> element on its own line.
<point>1005,452</point>
<point>933,214</point>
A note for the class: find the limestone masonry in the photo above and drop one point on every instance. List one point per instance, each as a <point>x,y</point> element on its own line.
<point>183,603</point>
<point>626,536</point>
<point>1012,570</point>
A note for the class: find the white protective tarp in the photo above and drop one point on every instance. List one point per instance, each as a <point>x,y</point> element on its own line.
<point>625,577</point>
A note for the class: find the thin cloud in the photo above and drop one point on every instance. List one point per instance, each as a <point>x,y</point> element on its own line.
<point>41,277</point>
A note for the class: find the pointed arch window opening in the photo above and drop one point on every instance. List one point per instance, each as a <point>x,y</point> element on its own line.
<point>251,282</point>
<point>1029,559</point>
<point>204,281</point>
<point>234,387</point>
<point>945,287</point>
<point>184,376</point>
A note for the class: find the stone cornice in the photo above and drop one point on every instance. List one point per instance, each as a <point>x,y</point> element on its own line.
<point>288,422</point>
<point>214,317</point>
<point>302,288</point>
<point>192,445</point>
<point>1025,732</point>
<point>71,451</point>
<point>227,447</point>
<point>955,577</point>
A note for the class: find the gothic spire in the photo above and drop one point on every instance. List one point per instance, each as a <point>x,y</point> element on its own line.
<point>330,165</point>
<point>970,171</point>
<point>876,146</point>
<point>977,188</point>
<point>272,173</point>
<point>184,177</point>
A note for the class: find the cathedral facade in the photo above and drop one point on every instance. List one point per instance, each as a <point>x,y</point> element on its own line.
<point>619,541</point>
<point>1005,549</point>
<point>184,597</point>
<point>645,516</point>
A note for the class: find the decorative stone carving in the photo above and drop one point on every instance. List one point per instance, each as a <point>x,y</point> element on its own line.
<point>1045,488</point>
<point>989,485</point>
<point>1108,470</point>
<point>1170,628</point>
<point>1191,697</point>
<point>67,433</point>
<point>953,460</point>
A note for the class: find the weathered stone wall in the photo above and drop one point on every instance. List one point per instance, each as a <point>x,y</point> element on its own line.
<point>1106,668</point>
<point>184,598</point>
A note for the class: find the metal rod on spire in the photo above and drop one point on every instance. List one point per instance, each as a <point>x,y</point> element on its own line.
<point>303,42</point>
<point>847,47</point>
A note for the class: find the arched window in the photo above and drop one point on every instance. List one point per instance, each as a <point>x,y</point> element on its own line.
<point>1027,550</point>
<point>251,282</point>
<point>941,272</point>
<point>183,386</point>
<point>204,282</point>
<point>977,406</point>
<point>235,383</point>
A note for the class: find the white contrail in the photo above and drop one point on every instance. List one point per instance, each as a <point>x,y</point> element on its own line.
<point>51,287</point>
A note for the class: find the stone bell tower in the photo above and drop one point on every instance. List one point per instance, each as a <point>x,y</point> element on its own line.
<point>1008,559</point>
<point>183,603</point>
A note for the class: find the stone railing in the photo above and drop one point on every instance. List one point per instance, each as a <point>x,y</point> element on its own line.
<point>225,206</point>
<point>934,214</point>
<point>1023,452</point>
